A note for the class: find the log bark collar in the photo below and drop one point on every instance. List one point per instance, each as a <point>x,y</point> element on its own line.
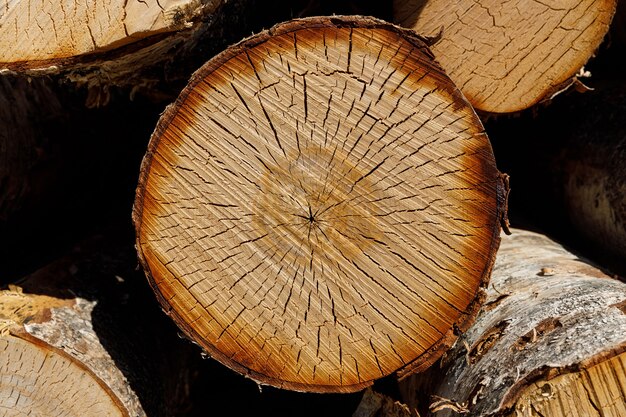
<point>320,207</point>
<point>505,56</point>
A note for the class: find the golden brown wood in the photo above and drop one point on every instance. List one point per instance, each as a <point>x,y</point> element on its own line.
<point>40,380</point>
<point>550,341</point>
<point>598,391</point>
<point>36,34</point>
<point>507,56</point>
<point>320,207</point>
<point>107,44</point>
<point>83,314</point>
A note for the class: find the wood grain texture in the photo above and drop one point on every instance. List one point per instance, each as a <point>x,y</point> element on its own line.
<point>38,380</point>
<point>508,56</point>
<point>599,391</point>
<point>146,47</point>
<point>547,313</point>
<point>36,33</point>
<point>52,362</point>
<point>320,207</point>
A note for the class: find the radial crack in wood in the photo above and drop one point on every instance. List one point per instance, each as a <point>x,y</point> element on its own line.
<point>320,207</point>
<point>39,378</point>
<point>508,56</point>
<point>38,34</point>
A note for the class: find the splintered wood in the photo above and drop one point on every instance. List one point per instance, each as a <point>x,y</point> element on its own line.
<point>507,56</point>
<point>599,391</point>
<point>320,207</point>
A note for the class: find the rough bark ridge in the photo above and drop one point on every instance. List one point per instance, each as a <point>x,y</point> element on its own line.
<point>507,56</point>
<point>320,207</point>
<point>547,313</point>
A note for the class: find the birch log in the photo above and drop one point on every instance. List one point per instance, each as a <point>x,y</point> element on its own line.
<point>505,56</point>
<point>320,207</point>
<point>550,340</point>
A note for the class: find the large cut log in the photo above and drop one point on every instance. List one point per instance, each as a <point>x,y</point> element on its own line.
<point>320,207</point>
<point>506,57</point>
<point>77,339</point>
<point>549,341</point>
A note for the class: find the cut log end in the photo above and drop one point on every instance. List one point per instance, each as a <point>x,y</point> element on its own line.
<point>40,35</point>
<point>506,57</point>
<point>320,207</point>
<point>597,391</point>
<point>38,379</point>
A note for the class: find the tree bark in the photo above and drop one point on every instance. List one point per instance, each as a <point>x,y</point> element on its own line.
<point>550,340</point>
<point>506,57</point>
<point>320,207</point>
<point>73,376</point>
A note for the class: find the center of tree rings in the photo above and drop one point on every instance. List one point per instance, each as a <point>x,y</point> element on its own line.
<point>314,199</point>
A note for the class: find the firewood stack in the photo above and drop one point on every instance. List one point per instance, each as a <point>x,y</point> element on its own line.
<point>321,207</point>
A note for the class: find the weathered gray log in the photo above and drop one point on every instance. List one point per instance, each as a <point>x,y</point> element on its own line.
<point>550,340</point>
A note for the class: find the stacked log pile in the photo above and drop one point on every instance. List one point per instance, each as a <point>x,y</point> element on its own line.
<point>320,211</point>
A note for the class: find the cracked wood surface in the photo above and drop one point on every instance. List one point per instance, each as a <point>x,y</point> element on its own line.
<point>599,391</point>
<point>508,56</point>
<point>38,380</point>
<point>42,32</point>
<point>52,363</point>
<point>320,207</point>
<point>552,326</point>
